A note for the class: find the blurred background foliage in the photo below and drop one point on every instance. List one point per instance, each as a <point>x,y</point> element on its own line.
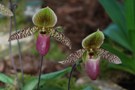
<point>116,18</point>
<point>121,32</point>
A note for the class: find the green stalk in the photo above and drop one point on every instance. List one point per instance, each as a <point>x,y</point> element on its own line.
<point>40,72</point>
<point>69,80</point>
<point>10,47</point>
<point>19,47</point>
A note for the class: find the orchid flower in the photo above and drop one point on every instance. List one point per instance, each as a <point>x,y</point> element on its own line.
<point>91,54</point>
<point>5,11</point>
<point>44,20</point>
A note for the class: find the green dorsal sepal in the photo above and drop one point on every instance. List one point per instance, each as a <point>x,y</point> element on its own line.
<point>93,41</point>
<point>45,17</point>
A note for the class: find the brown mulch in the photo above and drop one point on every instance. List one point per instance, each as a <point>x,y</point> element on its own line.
<point>30,65</point>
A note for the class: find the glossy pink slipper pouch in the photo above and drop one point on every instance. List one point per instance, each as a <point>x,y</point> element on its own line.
<point>43,44</point>
<point>92,68</point>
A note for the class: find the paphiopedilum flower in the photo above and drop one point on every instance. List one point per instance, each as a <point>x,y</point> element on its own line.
<point>5,11</point>
<point>92,54</point>
<point>44,20</point>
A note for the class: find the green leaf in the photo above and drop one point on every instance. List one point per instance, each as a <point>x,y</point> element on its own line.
<point>130,20</point>
<point>114,32</point>
<point>123,68</point>
<point>50,88</point>
<point>79,67</point>
<point>88,88</point>
<point>115,11</point>
<point>127,62</point>
<point>2,88</point>
<point>33,82</point>
<point>6,79</point>
<point>130,14</point>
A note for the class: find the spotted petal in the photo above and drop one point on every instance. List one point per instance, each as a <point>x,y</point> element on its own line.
<point>73,57</point>
<point>109,56</point>
<point>23,33</point>
<point>5,11</point>
<point>60,37</point>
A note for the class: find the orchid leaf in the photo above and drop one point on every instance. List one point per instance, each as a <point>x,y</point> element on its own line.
<point>127,62</point>
<point>6,79</point>
<point>130,21</point>
<point>33,82</point>
<point>114,33</point>
<point>114,9</point>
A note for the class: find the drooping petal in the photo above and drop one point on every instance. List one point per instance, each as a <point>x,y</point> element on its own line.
<point>23,33</point>
<point>73,57</point>
<point>92,67</point>
<point>109,56</point>
<point>93,41</point>
<point>43,44</point>
<point>60,37</point>
<point>5,11</point>
<point>45,17</point>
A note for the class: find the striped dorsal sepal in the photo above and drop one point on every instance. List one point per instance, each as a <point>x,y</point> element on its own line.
<point>23,33</point>
<point>60,37</point>
<point>109,56</point>
<point>73,57</point>
<point>5,11</point>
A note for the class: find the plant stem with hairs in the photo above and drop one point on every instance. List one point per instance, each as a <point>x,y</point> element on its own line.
<point>73,67</point>
<point>40,71</point>
<point>19,46</point>
<point>10,48</point>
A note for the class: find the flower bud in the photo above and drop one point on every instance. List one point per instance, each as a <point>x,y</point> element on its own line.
<point>43,44</point>
<point>5,11</point>
<point>92,67</point>
<point>45,17</point>
<point>93,41</point>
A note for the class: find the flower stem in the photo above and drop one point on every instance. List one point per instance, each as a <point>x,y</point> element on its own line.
<point>19,46</point>
<point>73,67</point>
<point>10,46</point>
<point>40,71</point>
